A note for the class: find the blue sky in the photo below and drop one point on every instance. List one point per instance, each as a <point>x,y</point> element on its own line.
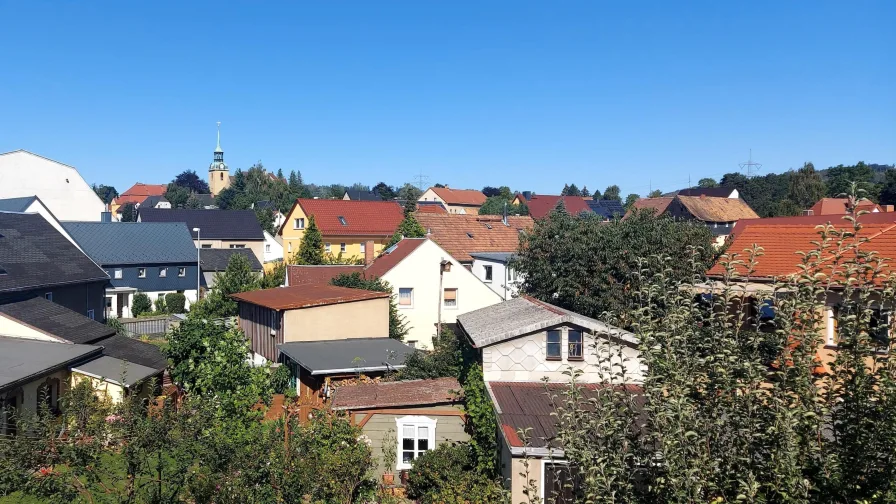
<point>526,94</point>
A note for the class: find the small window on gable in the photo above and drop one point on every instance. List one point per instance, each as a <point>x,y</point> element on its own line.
<point>90,315</point>
<point>117,274</point>
<point>49,296</point>
<point>405,297</point>
<point>141,272</point>
<point>181,272</point>
<point>488,273</point>
<point>450,297</point>
<point>342,247</point>
<point>553,345</point>
<point>575,345</point>
<point>298,223</point>
<point>342,220</point>
<point>163,272</point>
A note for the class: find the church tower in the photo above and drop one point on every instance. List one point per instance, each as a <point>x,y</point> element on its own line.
<point>218,172</point>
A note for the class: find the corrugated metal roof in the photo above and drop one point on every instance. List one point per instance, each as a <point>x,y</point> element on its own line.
<point>397,393</point>
<point>306,296</point>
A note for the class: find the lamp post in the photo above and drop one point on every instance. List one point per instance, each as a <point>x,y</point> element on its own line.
<point>198,262</point>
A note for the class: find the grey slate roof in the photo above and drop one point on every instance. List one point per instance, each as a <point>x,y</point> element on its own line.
<point>348,355</point>
<point>133,350</point>
<point>16,204</point>
<point>141,243</point>
<point>717,192</point>
<point>357,195</point>
<point>524,315</point>
<point>217,259</point>
<point>24,360</point>
<point>501,257</point>
<point>34,254</point>
<point>115,370</point>
<point>214,224</point>
<point>152,201</point>
<point>56,320</point>
<point>607,209</point>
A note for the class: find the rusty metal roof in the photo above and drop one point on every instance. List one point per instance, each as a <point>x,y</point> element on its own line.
<point>397,393</point>
<point>306,296</point>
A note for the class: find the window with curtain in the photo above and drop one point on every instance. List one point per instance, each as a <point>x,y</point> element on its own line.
<point>450,298</point>
<point>553,345</point>
<point>406,297</point>
<point>417,435</point>
<point>575,345</point>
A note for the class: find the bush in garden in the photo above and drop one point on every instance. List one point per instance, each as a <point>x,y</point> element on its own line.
<point>447,474</point>
<point>176,302</point>
<point>280,379</point>
<point>141,304</point>
<point>161,306</point>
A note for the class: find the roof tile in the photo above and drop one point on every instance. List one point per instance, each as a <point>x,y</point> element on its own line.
<point>397,393</point>
<point>362,218</point>
<point>541,206</point>
<point>461,234</point>
<point>468,197</point>
<point>213,224</point>
<point>306,296</point>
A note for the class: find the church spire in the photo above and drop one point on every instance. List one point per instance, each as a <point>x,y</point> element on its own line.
<point>218,148</point>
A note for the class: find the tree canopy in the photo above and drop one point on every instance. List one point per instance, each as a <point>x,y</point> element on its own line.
<point>106,193</point>
<point>311,250</point>
<point>612,193</point>
<point>128,213</point>
<point>188,179</point>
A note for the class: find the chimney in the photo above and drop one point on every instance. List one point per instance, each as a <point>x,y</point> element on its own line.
<point>368,252</point>
<point>703,196</point>
<point>105,216</point>
<point>887,208</point>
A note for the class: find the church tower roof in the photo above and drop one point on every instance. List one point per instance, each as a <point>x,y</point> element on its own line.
<point>218,163</point>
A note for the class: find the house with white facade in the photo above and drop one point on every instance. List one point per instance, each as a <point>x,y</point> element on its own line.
<point>525,347</point>
<point>427,283</point>
<point>273,248</point>
<point>59,186</point>
<point>494,270</point>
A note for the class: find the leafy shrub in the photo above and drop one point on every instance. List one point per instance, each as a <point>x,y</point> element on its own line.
<point>176,302</point>
<point>280,379</point>
<point>448,474</point>
<point>141,304</point>
<point>161,307</point>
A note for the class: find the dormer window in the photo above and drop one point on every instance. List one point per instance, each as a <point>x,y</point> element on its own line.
<point>342,220</point>
<point>469,235</point>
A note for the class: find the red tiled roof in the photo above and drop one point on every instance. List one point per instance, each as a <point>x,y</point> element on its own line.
<point>468,197</point>
<point>318,274</point>
<point>461,234</point>
<point>130,198</point>
<point>303,274</point>
<point>837,206</point>
<point>435,209</point>
<point>542,205</point>
<point>362,218</point>
<point>658,204</point>
<point>815,220</point>
<point>306,296</point>
<point>781,244</point>
<point>528,405</point>
<point>140,189</point>
<point>397,393</point>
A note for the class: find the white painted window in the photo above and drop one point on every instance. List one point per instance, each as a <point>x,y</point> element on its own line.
<point>417,434</point>
<point>91,315</point>
<point>342,247</point>
<point>363,247</point>
<point>182,272</point>
<point>117,274</point>
<point>289,246</point>
<point>163,272</point>
<point>450,298</point>
<point>411,343</point>
<point>237,245</point>
<point>326,247</point>
<point>488,273</point>
<point>141,272</point>
<point>298,223</point>
<point>405,297</point>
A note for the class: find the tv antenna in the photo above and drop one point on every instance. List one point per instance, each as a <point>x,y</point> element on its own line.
<point>750,166</point>
<point>422,181</point>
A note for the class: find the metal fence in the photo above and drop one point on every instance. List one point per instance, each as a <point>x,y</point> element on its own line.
<point>148,326</point>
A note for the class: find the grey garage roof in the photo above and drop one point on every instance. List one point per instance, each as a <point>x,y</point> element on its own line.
<point>116,370</point>
<point>348,355</point>
<point>56,320</point>
<point>501,257</point>
<point>526,315</point>
<point>24,360</point>
<point>33,254</point>
<point>133,351</point>
<point>114,243</point>
<point>218,259</point>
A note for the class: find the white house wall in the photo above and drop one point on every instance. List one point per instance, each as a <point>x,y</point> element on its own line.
<point>524,360</point>
<point>276,248</point>
<point>501,282</point>
<point>59,186</point>
<point>420,271</point>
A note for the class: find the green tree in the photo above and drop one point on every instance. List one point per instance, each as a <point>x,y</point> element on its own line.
<point>408,228</point>
<point>106,193</point>
<point>275,277</point>
<point>175,302</point>
<point>398,326</point>
<point>656,193</point>
<point>806,186</point>
<point>237,277</point>
<point>128,213</point>
<point>589,266</point>
<point>630,200</point>
<point>596,196</point>
<point>888,188</point>
<point>409,192</point>
<point>490,191</point>
<point>385,191</point>
<point>311,251</point>
<point>612,193</point>
<point>840,177</point>
<point>193,202</point>
<point>446,359</point>
<point>497,204</point>
<point>573,190</point>
<point>189,180</point>
<point>565,190</point>
<point>707,183</point>
<point>141,304</point>
<point>585,192</point>
<point>177,195</point>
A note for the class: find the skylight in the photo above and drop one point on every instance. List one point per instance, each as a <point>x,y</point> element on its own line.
<point>470,235</point>
<point>342,220</point>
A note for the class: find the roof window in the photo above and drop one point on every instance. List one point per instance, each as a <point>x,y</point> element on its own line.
<point>469,234</point>
<point>342,220</point>
<point>2,271</point>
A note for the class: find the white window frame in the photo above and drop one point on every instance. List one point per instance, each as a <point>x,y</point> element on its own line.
<point>488,271</point>
<point>416,422</point>
<point>289,246</point>
<point>544,463</point>
<point>298,223</point>
<point>141,272</point>
<point>181,271</point>
<point>405,307</point>
<point>163,272</point>
<point>363,247</point>
<point>237,245</point>
<point>342,247</point>
<point>326,247</point>
<point>117,274</point>
<point>456,298</point>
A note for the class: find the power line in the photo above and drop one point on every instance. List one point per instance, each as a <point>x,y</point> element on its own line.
<point>750,165</point>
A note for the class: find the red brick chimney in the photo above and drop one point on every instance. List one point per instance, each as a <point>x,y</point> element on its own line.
<point>369,255</point>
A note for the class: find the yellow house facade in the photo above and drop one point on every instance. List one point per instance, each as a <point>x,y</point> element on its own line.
<point>348,227</point>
